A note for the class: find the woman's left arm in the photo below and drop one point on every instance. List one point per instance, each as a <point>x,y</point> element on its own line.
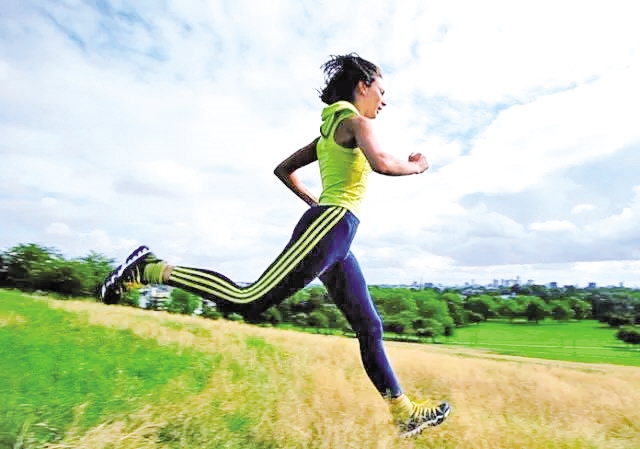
<point>286,172</point>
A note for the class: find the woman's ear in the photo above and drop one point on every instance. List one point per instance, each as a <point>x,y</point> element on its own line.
<point>362,87</point>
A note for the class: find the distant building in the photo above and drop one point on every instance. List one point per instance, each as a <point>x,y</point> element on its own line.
<point>591,285</point>
<point>509,282</point>
<point>553,285</point>
<point>154,297</point>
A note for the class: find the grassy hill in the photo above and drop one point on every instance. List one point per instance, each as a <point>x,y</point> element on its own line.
<point>76,374</point>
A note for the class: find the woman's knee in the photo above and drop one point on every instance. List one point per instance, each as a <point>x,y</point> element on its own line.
<point>371,329</point>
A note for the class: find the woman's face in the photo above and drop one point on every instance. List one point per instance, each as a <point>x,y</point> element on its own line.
<point>370,99</point>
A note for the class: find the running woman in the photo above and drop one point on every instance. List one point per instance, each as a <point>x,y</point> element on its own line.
<point>346,151</point>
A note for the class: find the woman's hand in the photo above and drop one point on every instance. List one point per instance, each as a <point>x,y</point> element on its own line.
<point>420,161</point>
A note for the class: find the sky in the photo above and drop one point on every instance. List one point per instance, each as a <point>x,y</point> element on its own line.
<point>160,123</point>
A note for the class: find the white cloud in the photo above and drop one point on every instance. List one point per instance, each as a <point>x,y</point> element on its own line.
<point>527,142</point>
<point>4,70</point>
<point>618,224</point>
<point>161,125</point>
<point>553,226</point>
<point>58,229</point>
<point>582,208</point>
<point>497,51</point>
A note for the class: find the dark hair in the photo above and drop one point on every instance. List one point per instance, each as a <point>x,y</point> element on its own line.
<point>342,74</point>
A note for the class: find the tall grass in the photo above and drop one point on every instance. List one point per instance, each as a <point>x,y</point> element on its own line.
<point>281,389</point>
<point>57,369</point>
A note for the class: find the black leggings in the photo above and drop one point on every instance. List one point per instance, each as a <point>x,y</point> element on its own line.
<point>319,247</point>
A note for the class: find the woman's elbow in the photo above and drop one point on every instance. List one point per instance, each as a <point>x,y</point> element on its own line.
<point>380,170</point>
<point>279,171</point>
<point>282,173</point>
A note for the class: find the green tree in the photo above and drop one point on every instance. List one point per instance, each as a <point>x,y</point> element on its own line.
<point>397,308</point>
<point>433,308</point>
<point>629,336</point>
<point>318,297</point>
<point>301,319</point>
<point>285,310</point>
<point>510,308</point>
<point>182,302</point>
<point>318,319</point>
<point>618,320</point>
<point>130,298</point>
<point>272,315</point>
<point>536,309</point>
<point>581,309</point>
<point>455,305</point>
<point>561,311</point>
<point>395,325</point>
<point>335,317</point>
<point>210,312</point>
<point>430,328</point>
<point>35,267</point>
<point>540,291</point>
<point>483,305</point>
<point>393,301</point>
<point>29,266</point>
<point>66,277</point>
<point>93,269</point>
<point>399,323</point>
<point>3,270</point>
<point>234,317</point>
<point>474,317</point>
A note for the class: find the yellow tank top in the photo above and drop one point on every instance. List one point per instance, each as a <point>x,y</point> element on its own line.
<point>344,171</point>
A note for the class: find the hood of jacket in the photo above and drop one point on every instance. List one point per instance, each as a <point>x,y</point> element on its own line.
<point>331,113</point>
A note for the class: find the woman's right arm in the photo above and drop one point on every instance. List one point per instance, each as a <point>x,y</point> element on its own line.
<point>380,161</point>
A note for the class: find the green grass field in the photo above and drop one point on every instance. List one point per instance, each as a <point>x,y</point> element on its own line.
<point>56,369</point>
<point>582,341</point>
<point>585,341</point>
<point>79,374</point>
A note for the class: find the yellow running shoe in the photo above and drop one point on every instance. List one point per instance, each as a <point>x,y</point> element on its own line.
<point>413,418</point>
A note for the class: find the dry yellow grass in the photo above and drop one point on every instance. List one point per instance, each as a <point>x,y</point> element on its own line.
<point>309,391</point>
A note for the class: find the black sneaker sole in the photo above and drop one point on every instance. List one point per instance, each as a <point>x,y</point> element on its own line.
<point>436,422</point>
<point>108,293</point>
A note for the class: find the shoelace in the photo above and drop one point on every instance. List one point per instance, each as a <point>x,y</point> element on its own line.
<point>424,413</point>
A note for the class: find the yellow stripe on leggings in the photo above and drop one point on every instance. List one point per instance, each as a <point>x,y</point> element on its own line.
<point>221,288</point>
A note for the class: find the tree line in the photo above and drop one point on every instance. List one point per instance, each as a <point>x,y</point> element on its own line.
<point>33,267</point>
<point>408,313</point>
